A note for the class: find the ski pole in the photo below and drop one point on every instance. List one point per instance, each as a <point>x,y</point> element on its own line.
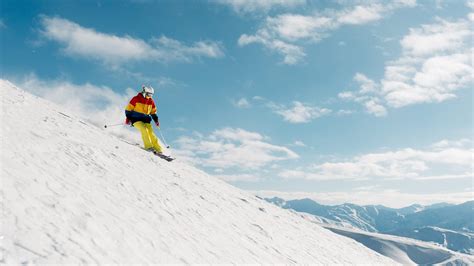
<point>106,126</point>
<point>163,138</point>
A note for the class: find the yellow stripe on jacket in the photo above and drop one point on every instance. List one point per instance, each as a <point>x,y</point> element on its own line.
<point>142,105</point>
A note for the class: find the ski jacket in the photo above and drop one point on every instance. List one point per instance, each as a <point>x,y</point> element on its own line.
<point>141,109</point>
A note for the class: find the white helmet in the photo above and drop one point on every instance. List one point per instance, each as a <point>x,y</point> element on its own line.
<point>147,90</point>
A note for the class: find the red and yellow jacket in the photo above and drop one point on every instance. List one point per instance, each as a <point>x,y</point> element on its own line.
<point>142,109</point>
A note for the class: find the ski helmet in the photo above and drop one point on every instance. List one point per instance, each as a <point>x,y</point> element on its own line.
<point>147,90</point>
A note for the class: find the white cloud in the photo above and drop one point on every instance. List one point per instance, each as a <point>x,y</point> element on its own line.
<point>444,160</point>
<point>159,81</point>
<point>236,135</point>
<point>367,85</point>
<point>292,27</point>
<point>286,33</point>
<point>404,3</point>
<point>435,63</point>
<point>232,148</point>
<point>444,36</point>
<point>346,95</point>
<point>251,6</point>
<point>299,112</point>
<point>299,143</point>
<point>344,112</point>
<point>374,107</point>
<point>361,14</point>
<point>258,98</point>
<point>292,53</point>
<point>295,113</point>
<point>309,175</point>
<point>372,104</point>
<point>452,143</point>
<point>238,177</point>
<point>115,50</point>
<point>387,197</point>
<point>448,176</point>
<point>175,50</point>
<point>242,103</point>
<point>367,188</point>
<point>470,5</point>
<point>2,24</point>
<point>80,41</point>
<point>439,4</point>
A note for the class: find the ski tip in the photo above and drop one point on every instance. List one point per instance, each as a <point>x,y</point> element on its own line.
<point>169,159</point>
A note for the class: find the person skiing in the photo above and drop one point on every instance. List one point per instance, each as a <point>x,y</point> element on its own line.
<point>139,112</point>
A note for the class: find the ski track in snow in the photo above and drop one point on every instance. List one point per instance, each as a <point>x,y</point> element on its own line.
<point>73,193</point>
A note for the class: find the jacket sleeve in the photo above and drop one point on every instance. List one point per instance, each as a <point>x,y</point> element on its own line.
<point>129,108</point>
<point>153,107</point>
<point>153,112</point>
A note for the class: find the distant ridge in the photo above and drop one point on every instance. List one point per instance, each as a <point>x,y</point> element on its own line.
<point>449,225</point>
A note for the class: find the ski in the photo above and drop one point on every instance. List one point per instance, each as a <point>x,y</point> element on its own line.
<point>163,156</point>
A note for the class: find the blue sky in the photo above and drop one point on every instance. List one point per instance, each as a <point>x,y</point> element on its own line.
<point>342,101</point>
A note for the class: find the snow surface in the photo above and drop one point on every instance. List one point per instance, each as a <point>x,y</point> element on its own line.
<point>73,193</point>
<point>406,251</point>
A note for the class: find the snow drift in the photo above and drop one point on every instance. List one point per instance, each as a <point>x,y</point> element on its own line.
<point>72,193</point>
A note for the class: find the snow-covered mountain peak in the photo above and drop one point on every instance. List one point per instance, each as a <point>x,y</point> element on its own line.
<point>73,193</point>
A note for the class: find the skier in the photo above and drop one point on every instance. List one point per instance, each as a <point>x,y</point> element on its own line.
<point>139,112</point>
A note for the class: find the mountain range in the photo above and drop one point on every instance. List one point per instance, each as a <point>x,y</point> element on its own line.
<point>451,226</point>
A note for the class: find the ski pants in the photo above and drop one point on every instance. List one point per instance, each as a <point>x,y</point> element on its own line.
<point>148,136</point>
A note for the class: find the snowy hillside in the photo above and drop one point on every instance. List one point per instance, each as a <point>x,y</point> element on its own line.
<point>72,193</point>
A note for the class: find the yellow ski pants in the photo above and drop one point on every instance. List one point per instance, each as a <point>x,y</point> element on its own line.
<point>148,136</point>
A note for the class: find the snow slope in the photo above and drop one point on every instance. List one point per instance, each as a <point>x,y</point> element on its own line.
<point>73,193</point>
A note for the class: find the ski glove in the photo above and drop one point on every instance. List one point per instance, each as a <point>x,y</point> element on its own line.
<point>155,118</point>
<point>127,121</point>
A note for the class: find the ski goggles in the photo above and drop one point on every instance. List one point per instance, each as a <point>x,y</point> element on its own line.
<point>148,94</point>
